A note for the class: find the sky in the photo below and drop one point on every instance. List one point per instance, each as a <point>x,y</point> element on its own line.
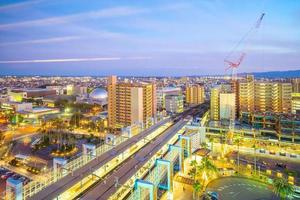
<point>147,38</point>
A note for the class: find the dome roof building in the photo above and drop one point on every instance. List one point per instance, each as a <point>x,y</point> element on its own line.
<point>98,96</point>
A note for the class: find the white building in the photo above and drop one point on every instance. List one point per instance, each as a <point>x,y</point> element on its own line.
<point>163,92</point>
<point>227,106</point>
<point>174,103</point>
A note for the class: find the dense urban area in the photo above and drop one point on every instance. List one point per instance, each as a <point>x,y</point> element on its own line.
<point>119,137</point>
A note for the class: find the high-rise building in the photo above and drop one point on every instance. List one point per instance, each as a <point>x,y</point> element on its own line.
<point>296,85</point>
<point>273,97</point>
<point>296,103</point>
<point>263,96</point>
<point>174,103</point>
<point>195,94</point>
<point>246,94</point>
<point>227,106</point>
<point>235,89</point>
<point>130,103</point>
<point>215,103</point>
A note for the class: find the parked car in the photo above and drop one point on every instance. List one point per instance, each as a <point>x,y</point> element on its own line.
<point>214,195</point>
<point>262,151</point>
<point>272,152</point>
<point>282,153</point>
<point>292,155</point>
<point>281,165</point>
<point>7,175</point>
<point>16,176</point>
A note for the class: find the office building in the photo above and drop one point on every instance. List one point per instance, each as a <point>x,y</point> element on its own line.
<point>130,103</point>
<point>194,94</point>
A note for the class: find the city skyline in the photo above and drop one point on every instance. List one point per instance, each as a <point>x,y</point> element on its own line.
<point>136,38</point>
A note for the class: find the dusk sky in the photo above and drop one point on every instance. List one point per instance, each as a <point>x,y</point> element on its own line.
<point>94,37</point>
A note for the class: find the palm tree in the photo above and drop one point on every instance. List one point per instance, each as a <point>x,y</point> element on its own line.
<point>211,140</point>
<point>58,125</point>
<point>197,188</point>
<point>193,171</point>
<point>255,160</point>
<point>238,141</point>
<point>283,188</point>
<point>206,167</point>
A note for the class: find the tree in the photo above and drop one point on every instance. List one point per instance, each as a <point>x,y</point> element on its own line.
<point>75,119</point>
<point>211,140</point>
<point>283,188</point>
<point>206,167</point>
<point>238,141</point>
<point>255,159</point>
<point>59,126</point>
<point>197,188</point>
<point>193,171</point>
<point>204,145</point>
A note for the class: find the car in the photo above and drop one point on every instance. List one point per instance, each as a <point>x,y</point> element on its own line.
<point>282,153</point>
<point>292,155</point>
<point>2,172</point>
<point>26,181</point>
<point>281,165</point>
<point>214,195</point>
<point>272,152</point>
<point>264,163</point>
<point>262,151</point>
<point>7,175</point>
<point>16,176</point>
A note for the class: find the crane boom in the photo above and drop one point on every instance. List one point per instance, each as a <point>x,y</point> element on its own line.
<point>260,20</point>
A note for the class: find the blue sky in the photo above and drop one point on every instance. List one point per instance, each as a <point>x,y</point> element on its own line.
<point>77,37</point>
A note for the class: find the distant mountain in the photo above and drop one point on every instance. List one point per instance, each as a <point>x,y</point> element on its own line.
<point>276,74</point>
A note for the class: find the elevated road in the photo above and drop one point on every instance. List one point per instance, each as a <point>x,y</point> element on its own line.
<point>54,190</point>
<point>64,184</point>
<point>105,188</point>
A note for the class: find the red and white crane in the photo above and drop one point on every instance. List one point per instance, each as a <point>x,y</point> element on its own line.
<point>234,65</point>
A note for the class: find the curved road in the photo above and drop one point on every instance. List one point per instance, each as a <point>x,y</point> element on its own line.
<point>236,188</point>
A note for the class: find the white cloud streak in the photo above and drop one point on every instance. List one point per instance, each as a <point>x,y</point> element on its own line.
<point>43,41</point>
<point>73,60</point>
<point>103,13</point>
<point>9,7</point>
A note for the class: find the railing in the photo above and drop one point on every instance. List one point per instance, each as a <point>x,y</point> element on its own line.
<point>51,177</point>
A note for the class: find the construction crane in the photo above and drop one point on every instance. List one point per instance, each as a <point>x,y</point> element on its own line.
<point>234,65</point>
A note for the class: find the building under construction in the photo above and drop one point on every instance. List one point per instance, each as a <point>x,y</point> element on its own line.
<point>285,127</point>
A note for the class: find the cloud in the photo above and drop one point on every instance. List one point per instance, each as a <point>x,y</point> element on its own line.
<point>103,13</point>
<point>61,60</point>
<point>42,41</point>
<point>19,5</point>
